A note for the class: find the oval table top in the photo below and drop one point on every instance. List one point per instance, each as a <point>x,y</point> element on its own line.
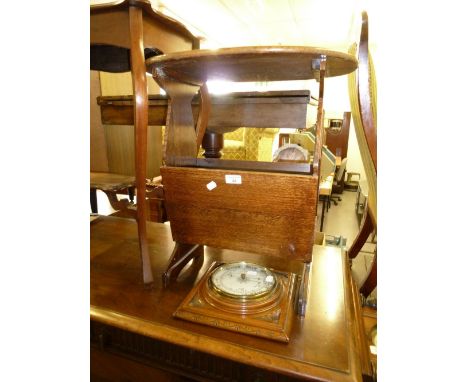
<point>251,64</point>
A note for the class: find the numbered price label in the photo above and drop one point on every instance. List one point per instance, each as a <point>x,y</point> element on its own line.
<point>233,179</point>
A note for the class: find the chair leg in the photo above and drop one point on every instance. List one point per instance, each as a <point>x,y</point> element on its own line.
<point>131,194</point>
<point>93,200</point>
<point>336,199</point>
<point>366,229</point>
<point>371,281</point>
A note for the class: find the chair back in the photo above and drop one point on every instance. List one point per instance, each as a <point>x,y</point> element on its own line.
<point>341,171</point>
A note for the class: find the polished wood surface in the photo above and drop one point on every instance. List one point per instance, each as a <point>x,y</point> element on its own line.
<point>324,345</point>
<point>267,213</point>
<point>251,64</point>
<point>109,181</point>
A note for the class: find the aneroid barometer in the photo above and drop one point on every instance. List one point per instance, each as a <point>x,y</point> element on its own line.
<point>243,297</point>
<point>242,280</point>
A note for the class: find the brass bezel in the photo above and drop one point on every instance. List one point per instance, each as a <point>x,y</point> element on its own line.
<point>212,285</point>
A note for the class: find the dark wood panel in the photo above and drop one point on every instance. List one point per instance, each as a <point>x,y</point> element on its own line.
<point>267,213</point>
<point>288,167</point>
<point>286,109</point>
<point>127,356</point>
<point>108,367</point>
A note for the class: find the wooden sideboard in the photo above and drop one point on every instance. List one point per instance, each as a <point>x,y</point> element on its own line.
<point>135,337</point>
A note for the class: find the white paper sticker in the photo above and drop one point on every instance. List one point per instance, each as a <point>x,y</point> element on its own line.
<point>212,185</point>
<point>233,179</point>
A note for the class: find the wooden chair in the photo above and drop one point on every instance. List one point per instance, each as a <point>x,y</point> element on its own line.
<point>123,34</point>
<point>362,90</point>
<point>339,182</point>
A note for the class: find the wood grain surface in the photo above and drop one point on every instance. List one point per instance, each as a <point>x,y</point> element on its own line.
<point>268,213</point>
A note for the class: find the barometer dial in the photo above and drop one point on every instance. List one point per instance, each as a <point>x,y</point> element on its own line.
<point>243,280</point>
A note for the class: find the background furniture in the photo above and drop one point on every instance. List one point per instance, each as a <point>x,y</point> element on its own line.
<point>134,335</point>
<point>122,35</point>
<point>249,144</point>
<point>361,200</point>
<point>325,192</point>
<point>339,182</point>
<point>236,113</point>
<point>111,185</point>
<point>337,135</point>
<point>307,139</point>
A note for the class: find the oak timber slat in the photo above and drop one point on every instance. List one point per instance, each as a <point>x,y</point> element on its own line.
<point>321,345</point>
<point>267,213</point>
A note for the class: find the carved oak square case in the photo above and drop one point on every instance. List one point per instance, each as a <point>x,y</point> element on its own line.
<point>243,297</point>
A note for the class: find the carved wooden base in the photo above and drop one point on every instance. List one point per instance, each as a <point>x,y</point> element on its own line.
<point>180,256</point>
<point>269,316</point>
<point>126,207</point>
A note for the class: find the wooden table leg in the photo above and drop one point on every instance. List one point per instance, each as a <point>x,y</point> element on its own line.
<point>366,229</point>
<point>141,128</point>
<point>131,194</point>
<point>93,200</point>
<point>323,213</point>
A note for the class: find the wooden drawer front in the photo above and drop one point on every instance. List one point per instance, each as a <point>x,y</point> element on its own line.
<point>268,213</point>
